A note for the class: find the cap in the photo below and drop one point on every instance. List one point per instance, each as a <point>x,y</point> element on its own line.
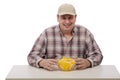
<point>66,9</point>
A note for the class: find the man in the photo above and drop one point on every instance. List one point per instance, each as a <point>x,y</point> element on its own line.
<point>65,39</point>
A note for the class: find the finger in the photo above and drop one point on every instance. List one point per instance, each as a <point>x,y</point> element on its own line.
<point>78,59</point>
<point>48,67</point>
<point>53,60</point>
<point>55,67</point>
<point>79,62</point>
<point>75,67</point>
<point>80,67</point>
<point>52,63</point>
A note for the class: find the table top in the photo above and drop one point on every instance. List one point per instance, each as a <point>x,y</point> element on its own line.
<point>26,72</point>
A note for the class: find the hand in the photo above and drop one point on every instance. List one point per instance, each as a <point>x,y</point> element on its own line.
<point>49,64</point>
<point>82,63</point>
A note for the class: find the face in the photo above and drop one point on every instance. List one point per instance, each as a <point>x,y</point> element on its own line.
<point>66,22</point>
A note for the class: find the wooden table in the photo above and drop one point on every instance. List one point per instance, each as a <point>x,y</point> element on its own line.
<point>26,72</point>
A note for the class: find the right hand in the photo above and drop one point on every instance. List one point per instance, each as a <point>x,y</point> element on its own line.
<point>49,64</point>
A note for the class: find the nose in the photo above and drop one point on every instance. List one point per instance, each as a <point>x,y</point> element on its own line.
<point>67,21</point>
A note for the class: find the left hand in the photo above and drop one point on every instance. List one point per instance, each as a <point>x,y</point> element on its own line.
<point>82,63</point>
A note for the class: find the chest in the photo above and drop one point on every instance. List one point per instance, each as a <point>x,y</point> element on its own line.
<point>65,44</point>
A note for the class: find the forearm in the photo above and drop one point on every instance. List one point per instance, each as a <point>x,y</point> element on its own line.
<point>34,59</point>
<point>95,58</point>
<point>38,51</point>
<point>94,54</point>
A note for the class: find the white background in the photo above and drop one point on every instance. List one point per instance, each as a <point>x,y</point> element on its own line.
<point>22,21</point>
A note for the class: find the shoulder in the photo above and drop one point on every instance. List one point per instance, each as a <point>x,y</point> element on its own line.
<point>51,28</point>
<point>80,28</point>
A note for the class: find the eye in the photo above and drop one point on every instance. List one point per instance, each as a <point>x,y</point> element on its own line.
<point>70,17</point>
<point>63,17</point>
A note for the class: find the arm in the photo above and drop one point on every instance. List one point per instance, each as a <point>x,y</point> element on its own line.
<point>38,51</point>
<point>93,51</point>
<point>93,55</point>
<point>37,56</point>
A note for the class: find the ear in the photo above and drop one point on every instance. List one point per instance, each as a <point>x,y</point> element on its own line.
<point>75,15</point>
<point>58,18</point>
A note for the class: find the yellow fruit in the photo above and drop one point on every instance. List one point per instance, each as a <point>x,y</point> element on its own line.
<point>66,64</point>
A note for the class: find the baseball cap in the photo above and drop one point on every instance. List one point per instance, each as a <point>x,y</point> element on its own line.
<point>66,9</point>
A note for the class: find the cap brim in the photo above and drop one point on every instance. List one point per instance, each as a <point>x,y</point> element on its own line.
<point>67,13</point>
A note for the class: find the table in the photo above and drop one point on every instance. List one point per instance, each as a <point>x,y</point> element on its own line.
<point>26,72</point>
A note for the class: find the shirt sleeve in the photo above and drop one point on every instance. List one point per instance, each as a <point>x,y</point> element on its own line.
<point>38,51</point>
<point>93,51</point>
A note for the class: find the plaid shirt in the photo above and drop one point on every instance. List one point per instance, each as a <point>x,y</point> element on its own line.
<point>52,44</point>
